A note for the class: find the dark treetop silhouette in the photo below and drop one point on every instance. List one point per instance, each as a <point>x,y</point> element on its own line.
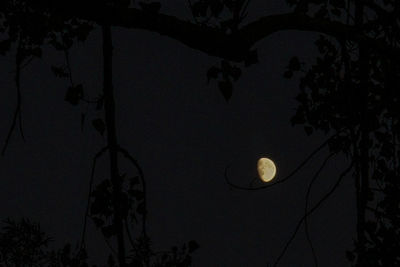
<point>348,92</point>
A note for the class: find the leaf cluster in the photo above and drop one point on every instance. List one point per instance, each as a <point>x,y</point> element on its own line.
<point>102,206</point>
<point>23,244</point>
<point>354,96</point>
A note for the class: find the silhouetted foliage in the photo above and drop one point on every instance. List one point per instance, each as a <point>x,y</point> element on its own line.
<point>350,90</point>
<point>23,244</point>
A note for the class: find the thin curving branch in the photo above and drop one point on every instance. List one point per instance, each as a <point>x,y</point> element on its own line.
<point>17,112</point>
<point>98,154</point>
<point>306,206</point>
<point>110,247</point>
<point>316,206</point>
<point>298,168</point>
<point>141,176</point>
<point>128,232</point>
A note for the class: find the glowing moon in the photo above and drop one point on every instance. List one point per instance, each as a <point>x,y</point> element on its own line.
<point>266,169</point>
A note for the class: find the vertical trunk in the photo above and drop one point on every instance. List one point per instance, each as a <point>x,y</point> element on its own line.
<point>109,107</point>
<point>362,184</point>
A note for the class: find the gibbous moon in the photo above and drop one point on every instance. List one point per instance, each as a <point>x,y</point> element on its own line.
<point>266,169</point>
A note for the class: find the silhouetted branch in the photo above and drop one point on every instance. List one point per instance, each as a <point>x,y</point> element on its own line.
<point>17,112</point>
<point>285,178</point>
<point>216,42</point>
<point>306,206</point>
<point>343,174</point>
<point>90,193</point>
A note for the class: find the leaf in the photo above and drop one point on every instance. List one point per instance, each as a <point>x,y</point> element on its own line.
<point>251,58</point>
<point>235,73</point>
<point>321,13</point>
<point>141,209</point>
<point>60,72</point>
<point>336,12</point>
<point>294,64</point>
<point>216,8</point>
<point>37,52</point>
<point>98,221</point>
<point>192,246</point>
<point>230,4</point>
<point>83,31</point>
<point>100,103</point>
<point>74,94</point>
<point>111,261</point>
<point>212,73</point>
<point>133,181</point>
<point>350,255</point>
<point>99,125</point>
<point>108,231</point>
<point>338,3</point>
<point>138,194</point>
<point>153,7</point>
<point>288,74</point>
<point>5,46</point>
<point>83,116</point>
<point>199,9</point>
<point>308,129</point>
<point>226,89</point>
<point>124,203</point>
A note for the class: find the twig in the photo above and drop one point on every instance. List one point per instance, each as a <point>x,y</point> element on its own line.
<point>343,174</point>
<point>285,178</point>
<point>90,193</point>
<point>191,11</point>
<point>66,54</point>
<point>243,13</point>
<point>306,207</point>
<point>110,247</point>
<point>130,236</point>
<point>27,62</point>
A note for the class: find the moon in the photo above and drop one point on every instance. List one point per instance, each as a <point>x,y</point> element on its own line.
<point>266,169</point>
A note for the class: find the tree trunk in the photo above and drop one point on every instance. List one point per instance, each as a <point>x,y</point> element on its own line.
<point>362,183</point>
<point>109,107</point>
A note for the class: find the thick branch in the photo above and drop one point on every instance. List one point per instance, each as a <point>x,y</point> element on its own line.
<point>209,40</point>
<point>215,42</point>
<point>263,27</point>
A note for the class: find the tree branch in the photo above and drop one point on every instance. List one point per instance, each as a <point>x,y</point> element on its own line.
<point>342,175</point>
<point>263,27</point>
<point>98,154</point>
<point>306,206</point>
<point>216,42</point>
<point>17,112</point>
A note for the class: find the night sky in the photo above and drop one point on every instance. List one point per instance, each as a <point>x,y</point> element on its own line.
<point>183,134</point>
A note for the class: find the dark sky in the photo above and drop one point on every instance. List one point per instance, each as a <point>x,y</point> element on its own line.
<point>183,134</point>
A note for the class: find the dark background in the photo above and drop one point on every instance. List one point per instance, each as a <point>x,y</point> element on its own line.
<point>184,134</point>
